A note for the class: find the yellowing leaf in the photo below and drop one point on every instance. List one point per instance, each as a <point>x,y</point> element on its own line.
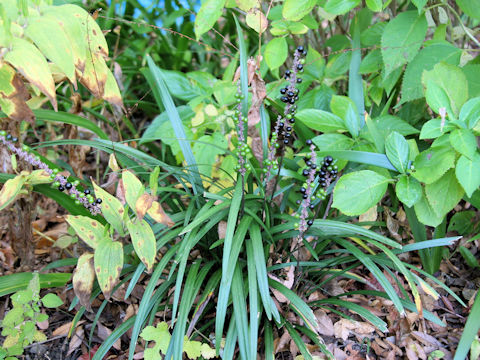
<point>30,62</point>
<point>133,188</point>
<point>38,177</point>
<point>94,76</point>
<point>143,204</point>
<point>143,240</point>
<point>83,277</point>
<point>52,41</point>
<point>158,214</point>
<point>14,95</point>
<point>108,260</point>
<point>193,349</point>
<point>208,352</point>
<point>112,92</point>
<point>88,229</point>
<point>257,20</point>
<point>11,189</point>
<point>112,208</point>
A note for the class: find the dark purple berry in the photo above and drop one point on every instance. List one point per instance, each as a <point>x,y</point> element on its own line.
<point>86,191</point>
<point>303,190</point>
<point>305,196</point>
<point>281,125</point>
<point>286,141</point>
<point>283,91</point>
<point>288,128</point>
<point>14,139</point>
<point>300,49</point>
<point>8,137</point>
<point>284,99</point>
<point>308,142</point>
<point>312,206</point>
<point>296,98</point>
<point>313,166</point>
<point>310,222</point>
<point>287,135</point>
<point>68,186</point>
<point>61,188</point>
<point>291,101</point>
<point>290,94</point>
<point>308,163</point>
<point>298,202</point>
<point>299,80</point>
<point>323,184</point>
<point>98,201</point>
<point>288,73</point>
<point>305,172</point>
<point>299,67</point>
<point>291,121</point>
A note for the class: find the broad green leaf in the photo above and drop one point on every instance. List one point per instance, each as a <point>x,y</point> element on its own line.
<point>468,173</point>
<point>207,16</point>
<point>143,240</point>
<point>408,190</point>
<point>425,60</point>
<point>30,62</point>
<point>444,193</point>
<point>375,5</point>
<point>470,112</point>
<point>372,62</point>
<point>14,95</point>
<point>133,188</point>
<point>396,148</point>
<point>11,189</point>
<point>320,120</point>
<point>434,128</point>
<point>464,142</point>
<point>425,213</point>
<point>388,123</point>
<point>108,260</point>
<point>276,52</point>
<point>87,229</point>
<point>344,108</point>
<point>83,277</point>
<point>462,222</point>
<point>357,192</point>
<point>339,7</point>
<point>51,300</point>
<point>402,38</point>
<point>112,208</point>
<point>419,4</point>
<point>52,41</point>
<point>294,10</point>
<point>246,5</point>
<point>470,7</point>
<point>446,86</point>
<point>472,73</point>
<point>432,163</point>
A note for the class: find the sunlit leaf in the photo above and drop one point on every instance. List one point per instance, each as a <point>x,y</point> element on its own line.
<point>108,260</point>
<point>88,229</point>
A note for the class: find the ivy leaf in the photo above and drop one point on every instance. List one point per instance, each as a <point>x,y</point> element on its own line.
<point>397,151</point>
<point>402,38</point>
<point>108,260</point>
<point>357,192</point>
<point>295,10</point>
<point>468,173</point>
<point>345,108</point>
<point>51,300</point>
<point>207,16</point>
<point>143,240</point>
<point>408,190</point>
<point>444,193</point>
<point>276,52</point>
<point>340,7</point>
<point>320,120</point>
<point>464,142</point>
<point>87,229</point>
<point>432,163</point>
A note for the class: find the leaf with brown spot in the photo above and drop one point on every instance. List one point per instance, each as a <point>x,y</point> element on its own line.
<point>133,188</point>
<point>112,208</point>
<point>143,204</point>
<point>143,240</point>
<point>83,277</point>
<point>94,76</point>
<point>11,189</point>
<point>108,261</point>
<point>30,62</point>
<point>158,214</point>
<point>13,95</point>
<point>92,235</point>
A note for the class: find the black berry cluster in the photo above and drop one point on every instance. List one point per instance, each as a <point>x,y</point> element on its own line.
<point>60,182</point>
<point>283,132</point>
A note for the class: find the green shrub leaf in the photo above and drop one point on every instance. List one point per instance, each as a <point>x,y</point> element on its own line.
<point>444,193</point>
<point>357,192</point>
<point>432,163</point>
<point>397,150</point>
<point>321,120</point>
<point>468,173</point>
<point>51,300</point>
<point>408,190</point>
<point>339,7</point>
<point>464,142</point>
<point>276,52</point>
<point>207,16</point>
<point>143,240</point>
<point>294,10</point>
